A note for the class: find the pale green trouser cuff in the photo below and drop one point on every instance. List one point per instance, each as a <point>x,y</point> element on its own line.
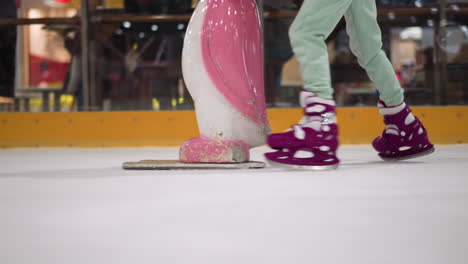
<point>315,22</point>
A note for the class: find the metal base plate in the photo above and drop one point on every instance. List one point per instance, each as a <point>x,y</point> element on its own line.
<point>177,165</point>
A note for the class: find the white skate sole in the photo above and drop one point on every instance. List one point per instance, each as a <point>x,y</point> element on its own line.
<point>303,167</point>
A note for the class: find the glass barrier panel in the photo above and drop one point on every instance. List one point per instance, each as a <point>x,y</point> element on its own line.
<point>454,45</point>
<point>134,51</point>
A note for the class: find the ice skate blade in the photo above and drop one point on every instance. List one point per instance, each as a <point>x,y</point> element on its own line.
<point>177,165</point>
<point>302,167</point>
<point>417,155</point>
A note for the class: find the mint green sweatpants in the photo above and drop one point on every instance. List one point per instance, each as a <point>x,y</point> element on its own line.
<point>315,22</point>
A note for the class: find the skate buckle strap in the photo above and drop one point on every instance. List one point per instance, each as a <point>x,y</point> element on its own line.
<point>307,98</point>
<point>299,132</point>
<point>328,118</point>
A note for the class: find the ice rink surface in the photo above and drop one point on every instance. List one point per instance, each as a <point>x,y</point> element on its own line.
<point>77,206</point>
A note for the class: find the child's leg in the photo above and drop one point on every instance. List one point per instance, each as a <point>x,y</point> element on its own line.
<point>313,24</point>
<point>366,44</point>
<point>404,136</point>
<point>313,143</point>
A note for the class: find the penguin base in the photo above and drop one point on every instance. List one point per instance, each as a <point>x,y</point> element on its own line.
<point>206,150</point>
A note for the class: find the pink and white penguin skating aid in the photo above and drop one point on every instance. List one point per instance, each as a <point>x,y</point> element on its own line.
<point>222,64</point>
<point>223,68</point>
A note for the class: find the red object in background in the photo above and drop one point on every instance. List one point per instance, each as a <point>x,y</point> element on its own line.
<point>44,70</point>
<point>62,1</point>
<point>398,75</point>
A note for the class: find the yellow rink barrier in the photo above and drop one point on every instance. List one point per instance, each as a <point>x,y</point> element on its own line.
<point>446,125</point>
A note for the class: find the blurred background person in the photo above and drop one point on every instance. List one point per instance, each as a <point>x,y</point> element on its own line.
<point>277,48</point>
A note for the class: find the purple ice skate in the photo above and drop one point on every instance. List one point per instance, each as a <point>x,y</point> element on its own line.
<point>311,144</point>
<point>404,137</point>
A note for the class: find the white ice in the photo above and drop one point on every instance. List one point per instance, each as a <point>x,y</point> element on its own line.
<point>76,206</point>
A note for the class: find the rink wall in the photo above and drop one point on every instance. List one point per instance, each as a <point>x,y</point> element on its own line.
<point>446,125</point>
